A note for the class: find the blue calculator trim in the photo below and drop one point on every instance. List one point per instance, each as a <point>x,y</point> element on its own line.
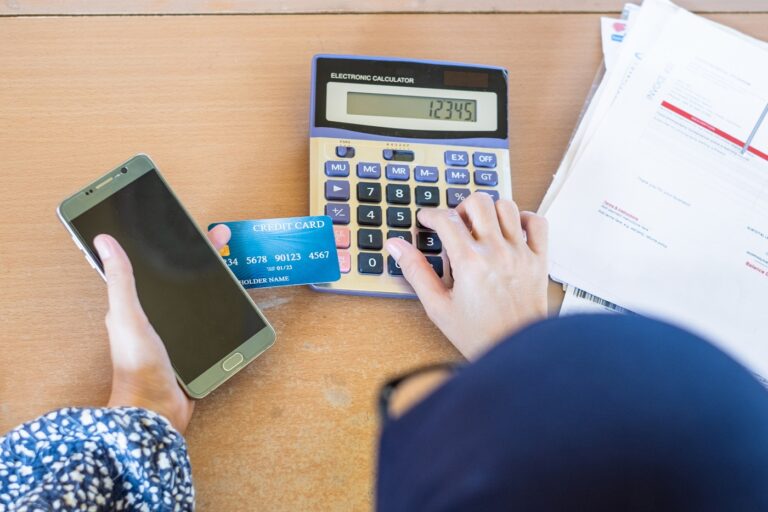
<point>337,133</point>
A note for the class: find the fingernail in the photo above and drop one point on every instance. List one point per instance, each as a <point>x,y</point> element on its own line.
<point>102,245</point>
<point>392,248</point>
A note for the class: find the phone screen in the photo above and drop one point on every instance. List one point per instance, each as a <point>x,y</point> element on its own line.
<point>189,297</point>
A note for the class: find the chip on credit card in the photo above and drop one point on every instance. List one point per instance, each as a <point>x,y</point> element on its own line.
<point>282,252</point>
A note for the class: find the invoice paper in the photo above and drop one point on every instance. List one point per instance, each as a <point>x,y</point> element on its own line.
<point>665,207</point>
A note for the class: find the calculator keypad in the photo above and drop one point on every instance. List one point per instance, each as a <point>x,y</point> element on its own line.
<point>373,192</point>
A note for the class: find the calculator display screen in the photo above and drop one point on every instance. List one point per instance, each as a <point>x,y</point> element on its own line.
<point>413,107</point>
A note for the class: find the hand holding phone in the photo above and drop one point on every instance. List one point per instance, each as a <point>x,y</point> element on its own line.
<point>142,375</point>
<point>208,324</point>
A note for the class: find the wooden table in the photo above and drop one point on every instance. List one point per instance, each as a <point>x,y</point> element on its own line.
<point>220,103</point>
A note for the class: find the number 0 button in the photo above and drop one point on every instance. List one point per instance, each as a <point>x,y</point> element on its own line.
<point>370,263</point>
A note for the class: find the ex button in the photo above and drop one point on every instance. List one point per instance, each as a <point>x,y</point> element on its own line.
<point>232,361</point>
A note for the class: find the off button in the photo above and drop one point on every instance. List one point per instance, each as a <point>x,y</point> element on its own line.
<point>232,361</point>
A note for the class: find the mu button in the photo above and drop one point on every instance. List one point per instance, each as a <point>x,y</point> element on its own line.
<point>232,361</point>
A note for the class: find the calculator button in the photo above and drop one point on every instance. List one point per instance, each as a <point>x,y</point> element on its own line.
<point>369,192</point>
<point>394,268</point>
<point>398,155</point>
<point>405,235</point>
<point>342,236</point>
<point>398,194</point>
<point>345,262</point>
<point>398,172</point>
<point>427,196</point>
<point>398,217</point>
<point>345,151</point>
<point>457,176</point>
<point>493,193</point>
<point>368,170</point>
<point>460,158</point>
<point>370,263</point>
<point>336,190</point>
<point>486,160</point>
<point>369,215</point>
<point>425,174</point>
<point>489,178</point>
<point>339,213</point>
<point>428,242</point>
<point>371,239</point>
<point>437,264</point>
<point>454,196</point>
<point>336,168</point>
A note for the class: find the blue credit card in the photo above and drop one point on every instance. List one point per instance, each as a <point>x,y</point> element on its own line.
<point>282,252</point>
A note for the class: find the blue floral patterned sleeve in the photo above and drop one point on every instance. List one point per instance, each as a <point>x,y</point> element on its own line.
<point>95,459</point>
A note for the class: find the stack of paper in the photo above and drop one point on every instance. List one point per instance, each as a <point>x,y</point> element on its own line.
<point>660,205</point>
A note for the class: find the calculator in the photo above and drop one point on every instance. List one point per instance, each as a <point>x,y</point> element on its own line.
<point>391,136</point>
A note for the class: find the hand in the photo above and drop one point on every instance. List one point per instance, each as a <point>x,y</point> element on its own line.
<point>499,275</point>
<point>142,375</point>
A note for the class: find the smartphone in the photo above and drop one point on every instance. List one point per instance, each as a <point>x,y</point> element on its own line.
<point>210,326</point>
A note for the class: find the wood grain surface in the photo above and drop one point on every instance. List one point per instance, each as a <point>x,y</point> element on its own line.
<point>220,103</point>
<point>91,7</point>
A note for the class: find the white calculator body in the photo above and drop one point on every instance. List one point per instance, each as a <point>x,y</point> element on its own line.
<point>390,136</point>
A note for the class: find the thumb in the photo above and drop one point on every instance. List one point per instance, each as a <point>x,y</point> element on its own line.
<point>123,301</point>
<point>419,273</point>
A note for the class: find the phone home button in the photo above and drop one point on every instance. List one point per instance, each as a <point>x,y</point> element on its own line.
<point>232,361</point>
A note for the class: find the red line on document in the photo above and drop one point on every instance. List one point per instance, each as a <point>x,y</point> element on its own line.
<point>758,153</point>
<point>730,138</point>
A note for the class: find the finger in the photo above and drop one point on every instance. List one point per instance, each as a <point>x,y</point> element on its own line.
<point>509,220</point>
<point>537,229</point>
<point>481,214</point>
<point>419,273</point>
<point>450,227</point>
<point>219,236</point>
<point>123,301</point>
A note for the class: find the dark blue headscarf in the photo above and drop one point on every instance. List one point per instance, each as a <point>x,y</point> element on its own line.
<point>587,413</point>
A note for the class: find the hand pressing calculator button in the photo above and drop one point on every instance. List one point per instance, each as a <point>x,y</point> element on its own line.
<point>405,235</point>
<point>374,161</point>
<point>437,264</point>
<point>393,267</point>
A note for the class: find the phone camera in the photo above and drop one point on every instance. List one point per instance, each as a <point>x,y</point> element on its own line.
<point>124,170</point>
